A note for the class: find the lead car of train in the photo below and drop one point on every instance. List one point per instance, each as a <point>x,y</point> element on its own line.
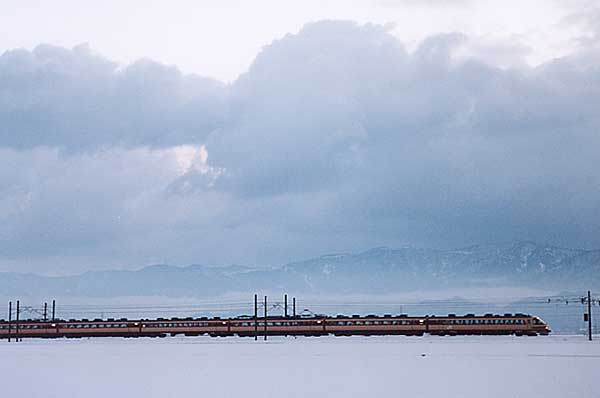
<point>341,325</point>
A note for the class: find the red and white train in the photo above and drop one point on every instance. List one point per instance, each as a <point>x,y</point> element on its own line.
<point>341,325</point>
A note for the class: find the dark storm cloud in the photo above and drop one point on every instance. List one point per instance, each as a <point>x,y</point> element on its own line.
<point>336,138</point>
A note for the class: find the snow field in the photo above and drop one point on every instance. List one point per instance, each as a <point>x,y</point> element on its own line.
<point>429,366</point>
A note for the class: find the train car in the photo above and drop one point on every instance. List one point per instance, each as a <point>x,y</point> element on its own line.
<point>489,324</point>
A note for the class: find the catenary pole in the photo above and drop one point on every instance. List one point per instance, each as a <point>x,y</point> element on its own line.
<point>589,303</point>
<point>265,318</point>
<point>294,307</point>
<point>17,323</point>
<point>256,317</point>
<point>53,309</point>
<point>9,318</point>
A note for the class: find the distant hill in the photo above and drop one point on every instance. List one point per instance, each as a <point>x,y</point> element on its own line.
<point>379,270</point>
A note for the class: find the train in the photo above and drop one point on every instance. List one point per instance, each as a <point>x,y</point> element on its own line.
<point>253,326</point>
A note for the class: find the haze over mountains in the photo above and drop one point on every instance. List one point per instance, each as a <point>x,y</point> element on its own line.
<point>375,271</point>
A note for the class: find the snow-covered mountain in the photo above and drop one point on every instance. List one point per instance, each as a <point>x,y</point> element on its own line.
<point>379,270</point>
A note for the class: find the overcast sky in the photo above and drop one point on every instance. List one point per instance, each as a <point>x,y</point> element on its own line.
<point>258,133</point>
<point>220,39</point>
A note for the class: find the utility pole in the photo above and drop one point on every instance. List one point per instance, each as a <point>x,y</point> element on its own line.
<point>53,309</point>
<point>265,318</point>
<point>17,325</point>
<point>589,303</point>
<point>294,306</point>
<point>45,312</point>
<point>285,305</point>
<point>9,318</point>
<point>256,317</point>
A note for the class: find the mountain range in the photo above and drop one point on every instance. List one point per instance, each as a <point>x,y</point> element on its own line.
<point>378,270</point>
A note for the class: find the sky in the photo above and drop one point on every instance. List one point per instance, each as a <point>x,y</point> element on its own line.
<point>217,133</point>
<point>220,39</point>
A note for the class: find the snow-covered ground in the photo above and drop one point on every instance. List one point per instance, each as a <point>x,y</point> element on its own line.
<point>486,366</point>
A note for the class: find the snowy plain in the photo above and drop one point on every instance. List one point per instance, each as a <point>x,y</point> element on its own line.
<point>428,366</point>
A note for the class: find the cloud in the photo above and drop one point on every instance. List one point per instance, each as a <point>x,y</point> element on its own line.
<point>423,3</point>
<point>336,138</point>
<point>77,100</point>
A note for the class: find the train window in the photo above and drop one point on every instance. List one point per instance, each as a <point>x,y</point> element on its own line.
<point>386,322</point>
